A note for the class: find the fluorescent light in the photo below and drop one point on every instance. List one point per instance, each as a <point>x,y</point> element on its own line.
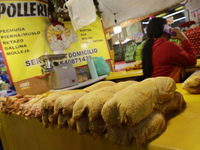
<point>145,22</point>
<point>174,13</point>
<point>179,8</point>
<point>161,15</point>
<point>169,16</point>
<point>179,19</point>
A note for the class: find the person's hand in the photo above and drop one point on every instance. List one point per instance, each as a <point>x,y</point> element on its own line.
<point>179,34</point>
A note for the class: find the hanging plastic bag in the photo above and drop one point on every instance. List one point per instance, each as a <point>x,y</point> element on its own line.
<point>101,66</point>
<point>81,13</point>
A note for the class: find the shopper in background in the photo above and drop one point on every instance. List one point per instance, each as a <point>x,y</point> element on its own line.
<point>7,84</point>
<point>161,57</point>
<point>4,78</point>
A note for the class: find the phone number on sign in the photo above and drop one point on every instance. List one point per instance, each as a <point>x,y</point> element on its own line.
<point>77,60</point>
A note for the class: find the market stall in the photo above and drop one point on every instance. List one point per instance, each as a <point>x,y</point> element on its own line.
<point>182,132</point>
<point>82,119</point>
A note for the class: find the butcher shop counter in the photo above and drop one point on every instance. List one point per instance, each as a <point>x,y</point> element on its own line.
<point>182,132</point>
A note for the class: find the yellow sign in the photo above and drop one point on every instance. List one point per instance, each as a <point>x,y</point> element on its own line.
<point>79,45</point>
<point>23,26</point>
<point>26,33</point>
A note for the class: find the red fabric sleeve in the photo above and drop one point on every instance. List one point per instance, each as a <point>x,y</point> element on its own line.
<point>185,55</point>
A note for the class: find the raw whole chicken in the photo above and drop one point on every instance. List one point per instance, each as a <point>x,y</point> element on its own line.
<point>12,103</point>
<point>130,105</point>
<point>175,104</point>
<point>166,87</point>
<point>63,108</point>
<point>89,106</point>
<point>149,127</point>
<point>146,129</point>
<point>99,85</point>
<point>47,106</point>
<point>192,83</point>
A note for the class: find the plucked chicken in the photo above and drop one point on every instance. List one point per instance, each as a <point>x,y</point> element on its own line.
<point>175,104</point>
<point>146,129</point>
<point>99,85</point>
<point>63,108</point>
<point>192,83</point>
<point>89,106</point>
<point>166,87</point>
<point>130,105</point>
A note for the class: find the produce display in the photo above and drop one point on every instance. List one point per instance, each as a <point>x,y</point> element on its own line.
<point>193,34</point>
<point>192,83</point>
<point>176,41</point>
<point>130,52</point>
<point>119,54</point>
<point>138,52</point>
<point>122,112</point>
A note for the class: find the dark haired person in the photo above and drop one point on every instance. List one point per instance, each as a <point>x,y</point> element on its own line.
<point>161,57</point>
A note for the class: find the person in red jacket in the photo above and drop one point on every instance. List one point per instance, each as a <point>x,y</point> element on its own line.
<point>161,57</point>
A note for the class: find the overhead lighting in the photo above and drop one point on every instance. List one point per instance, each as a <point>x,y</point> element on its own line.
<point>179,8</point>
<point>117,28</point>
<point>169,16</point>
<point>145,22</point>
<point>179,19</point>
<point>174,13</point>
<point>161,15</point>
<point>117,42</point>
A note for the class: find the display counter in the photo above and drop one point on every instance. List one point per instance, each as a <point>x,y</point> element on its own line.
<point>125,74</point>
<point>135,74</point>
<point>182,132</point>
<point>193,68</point>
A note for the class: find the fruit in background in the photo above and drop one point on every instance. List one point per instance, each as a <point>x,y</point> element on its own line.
<point>176,41</point>
<point>193,34</point>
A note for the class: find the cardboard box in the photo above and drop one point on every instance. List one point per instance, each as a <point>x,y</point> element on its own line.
<point>33,86</point>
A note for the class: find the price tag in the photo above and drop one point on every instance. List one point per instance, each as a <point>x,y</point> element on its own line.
<point>196,13</point>
<point>133,37</point>
<point>139,34</point>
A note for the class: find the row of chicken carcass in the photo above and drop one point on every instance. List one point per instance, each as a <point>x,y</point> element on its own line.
<point>27,105</point>
<point>125,111</point>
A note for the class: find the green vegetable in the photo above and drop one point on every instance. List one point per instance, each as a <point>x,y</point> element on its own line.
<point>130,52</point>
<point>176,41</point>
<point>138,52</point>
